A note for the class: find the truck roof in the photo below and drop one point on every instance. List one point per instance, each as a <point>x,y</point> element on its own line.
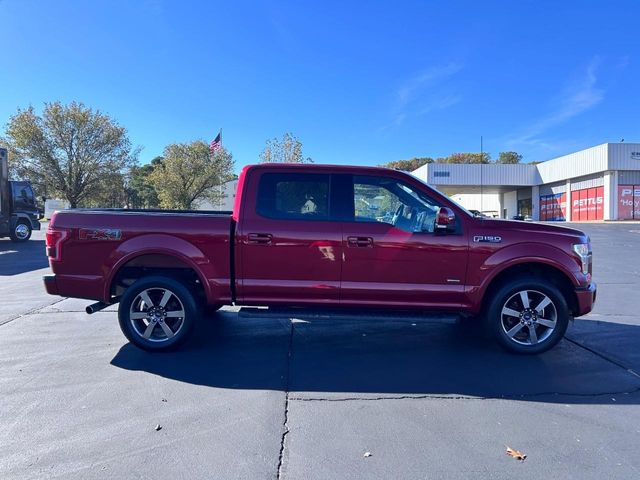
<point>319,166</point>
<point>305,167</point>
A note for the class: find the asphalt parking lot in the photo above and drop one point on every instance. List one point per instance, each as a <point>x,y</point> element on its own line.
<point>304,394</point>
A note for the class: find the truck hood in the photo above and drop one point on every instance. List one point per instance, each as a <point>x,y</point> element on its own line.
<point>532,228</point>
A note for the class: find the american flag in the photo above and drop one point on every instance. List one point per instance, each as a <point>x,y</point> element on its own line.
<point>216,143</point>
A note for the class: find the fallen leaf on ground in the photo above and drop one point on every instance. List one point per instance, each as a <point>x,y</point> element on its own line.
<point>518,455</point>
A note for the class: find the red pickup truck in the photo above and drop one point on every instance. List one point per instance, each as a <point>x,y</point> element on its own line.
<point>323,235</point>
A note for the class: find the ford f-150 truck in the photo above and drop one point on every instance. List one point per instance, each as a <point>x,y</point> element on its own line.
<point>323,235</point>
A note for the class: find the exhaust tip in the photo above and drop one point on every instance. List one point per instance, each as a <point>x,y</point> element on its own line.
<point>95,307</point>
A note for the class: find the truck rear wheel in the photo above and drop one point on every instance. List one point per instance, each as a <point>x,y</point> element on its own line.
<point>528,316</point>
<point>21,232</point>
<point>157,313</point>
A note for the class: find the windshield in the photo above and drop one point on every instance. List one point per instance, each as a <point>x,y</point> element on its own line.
<point>448,197</point>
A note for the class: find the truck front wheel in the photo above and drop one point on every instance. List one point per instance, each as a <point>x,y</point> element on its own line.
<point>528,316</point>
<point>157,313</point>
<point>21,232</point>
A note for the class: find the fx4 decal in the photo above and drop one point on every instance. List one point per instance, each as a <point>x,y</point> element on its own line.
<point>487,238</point>
<point>100,234</point>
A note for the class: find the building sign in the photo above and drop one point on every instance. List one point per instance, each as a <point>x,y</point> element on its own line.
<point>553,207</point>
<point>587,204</point>
<point>635,155</point>
<point>628,202</point>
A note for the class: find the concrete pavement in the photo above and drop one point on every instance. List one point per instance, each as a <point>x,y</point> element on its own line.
<point>304,394</point>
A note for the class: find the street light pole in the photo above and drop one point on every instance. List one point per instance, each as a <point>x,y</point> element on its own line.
<point>481,179</point>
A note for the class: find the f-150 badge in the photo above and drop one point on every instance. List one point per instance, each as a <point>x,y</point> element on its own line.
<point>487,238</point>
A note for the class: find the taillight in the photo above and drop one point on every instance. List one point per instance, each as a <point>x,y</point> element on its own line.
<point>54,240</point>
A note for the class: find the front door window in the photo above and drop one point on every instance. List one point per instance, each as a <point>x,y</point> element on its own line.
<point>387,200</point>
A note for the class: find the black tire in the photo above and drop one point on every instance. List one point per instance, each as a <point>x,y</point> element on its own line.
<point>21,232</point>
<point>534,330</point>
<point>180,300</point>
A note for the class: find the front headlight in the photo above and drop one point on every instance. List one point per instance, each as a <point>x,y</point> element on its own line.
<point>583,250</point>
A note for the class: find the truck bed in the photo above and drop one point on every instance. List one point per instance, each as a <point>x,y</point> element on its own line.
<point>101,245</point>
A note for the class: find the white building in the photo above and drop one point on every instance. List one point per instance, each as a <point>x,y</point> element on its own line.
<point>599,183</point>
<point>52,205</point>
<point>228,194</point>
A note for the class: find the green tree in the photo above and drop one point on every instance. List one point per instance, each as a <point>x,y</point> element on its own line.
<point>466,157</point>
<point>408,165</point>
<point>509,157</point>
<point>288,149</point>
<point>112,192</point>
<point>140,189</point>
<point>69,150</point>
<point>188,173</point>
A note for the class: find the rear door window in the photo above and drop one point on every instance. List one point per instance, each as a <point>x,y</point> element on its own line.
<point>294,196</point>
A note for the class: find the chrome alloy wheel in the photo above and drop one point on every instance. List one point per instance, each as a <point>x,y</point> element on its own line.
<point>157,314</point>
<point>529,317</point>
<point>21,231</point>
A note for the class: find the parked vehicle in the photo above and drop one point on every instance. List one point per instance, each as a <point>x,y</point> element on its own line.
<point>19,215</point>
<point>478,214</point>
<point>305,235</point>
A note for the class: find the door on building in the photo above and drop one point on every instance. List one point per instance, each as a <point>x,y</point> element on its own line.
<point>553,207</point>
<point>587,204</point>
<point>525,207</point>
<point>628,202</point>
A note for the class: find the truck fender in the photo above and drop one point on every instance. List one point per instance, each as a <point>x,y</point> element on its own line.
<point>521,253</point>
<point>158,244</point>
<point>20,216</point>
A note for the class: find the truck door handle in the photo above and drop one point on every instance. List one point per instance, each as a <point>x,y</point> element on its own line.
<point>360,241</point>
<point>259,238</point>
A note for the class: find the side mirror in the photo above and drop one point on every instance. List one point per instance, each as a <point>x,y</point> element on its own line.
<point>445,220</point>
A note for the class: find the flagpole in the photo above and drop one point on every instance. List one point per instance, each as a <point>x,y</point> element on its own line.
<point>220,197</point>
<point>481,179</point>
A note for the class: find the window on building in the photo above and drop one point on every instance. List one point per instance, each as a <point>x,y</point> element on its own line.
<point>298,196</point>
<point>525,207</point>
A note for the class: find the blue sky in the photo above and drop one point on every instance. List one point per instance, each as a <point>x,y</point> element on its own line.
<point>357,82</point>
